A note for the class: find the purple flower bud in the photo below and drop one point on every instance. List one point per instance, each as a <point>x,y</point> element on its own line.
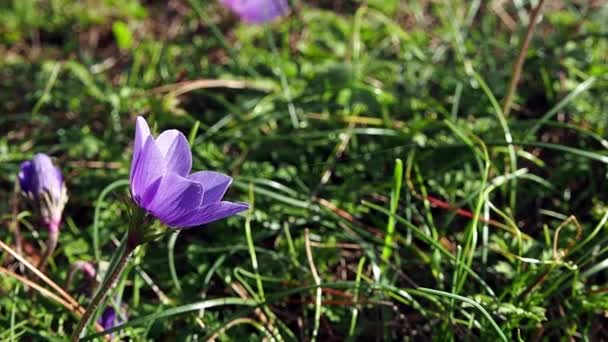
<point>257,11</point>
<point>108,318</point>
<point>87,269</point>
<point>162,185</point>
<point>43,184</point>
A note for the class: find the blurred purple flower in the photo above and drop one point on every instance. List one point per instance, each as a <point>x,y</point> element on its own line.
<point>161,182</point>
<point>88,269</point>
<point>108,318</point>
<point>42,183</point>
<point>257,11</point>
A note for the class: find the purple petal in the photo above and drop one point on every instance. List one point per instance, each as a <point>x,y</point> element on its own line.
<point>43,183</point>
<point>142,132</point>
<point>88,269</point>
<point>150,193</point>
<point>59,175</point>
<point>148,169</point>
<point>26,176</point>
<point>108,318</point>
<point>258,11</point>
<point>45,176</point>
<point>176,196</point>
<point>209,213</point>
<point>174,147</point>
<point>215,184</point>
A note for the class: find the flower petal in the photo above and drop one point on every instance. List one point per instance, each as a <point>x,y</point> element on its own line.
<point>174,147</point>
<point>108,318</point>
<point>149,194</point>
<point>142,132</point>
<point>215,184</point>
<point>59,175</point>
<point>149,168</point>
<point>209,213</point>
<point>45,176</point>
<point>26,176</point>
<point>258,11</point>
<point>175,197</point>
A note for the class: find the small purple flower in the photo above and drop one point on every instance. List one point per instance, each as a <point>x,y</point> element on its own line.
<point>88,269</point>
<point>161,182</point>
<point>258,11</point>
<point>42,183</point>
<point>108,318</point>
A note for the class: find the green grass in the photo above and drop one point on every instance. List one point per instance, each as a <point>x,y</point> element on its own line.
<point>368,125</point>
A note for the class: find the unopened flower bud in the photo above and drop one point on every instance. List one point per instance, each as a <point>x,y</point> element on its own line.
<point>42,183</point>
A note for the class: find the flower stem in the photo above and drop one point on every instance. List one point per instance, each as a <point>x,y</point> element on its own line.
<point>101,294</point>
<point>51,244</point>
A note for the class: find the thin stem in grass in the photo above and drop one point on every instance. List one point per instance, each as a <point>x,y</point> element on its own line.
<point>456,278</point>
<point>436,257</point>
<point>387,250</point>
<point>14,225</point>
<point>254,264</point>
<point>318,289</point>
<point>101,294</point>
<point>514,228</point>
<point>508,138</point>
<point>521,56</point>
<point>515,76</point>
<point>97,215</point>
<point>171,258</point>
<point>353,320</point>
<point>292,248</point>
<point>13,312</point>
<point>471,232</point>
<point>51,244</point>
<point>251,247</point>
<point>46,95</point>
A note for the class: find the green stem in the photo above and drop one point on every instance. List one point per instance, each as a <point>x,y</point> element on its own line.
<point>171,256</point>
<point>101,293</point>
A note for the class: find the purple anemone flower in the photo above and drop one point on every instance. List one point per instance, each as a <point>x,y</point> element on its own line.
<point>258,11</point>
<point>42,183</point>
<point>162,185</point>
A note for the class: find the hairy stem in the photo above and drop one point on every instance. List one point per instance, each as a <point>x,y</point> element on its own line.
<point>102,293</point>
<point>51,244</point>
